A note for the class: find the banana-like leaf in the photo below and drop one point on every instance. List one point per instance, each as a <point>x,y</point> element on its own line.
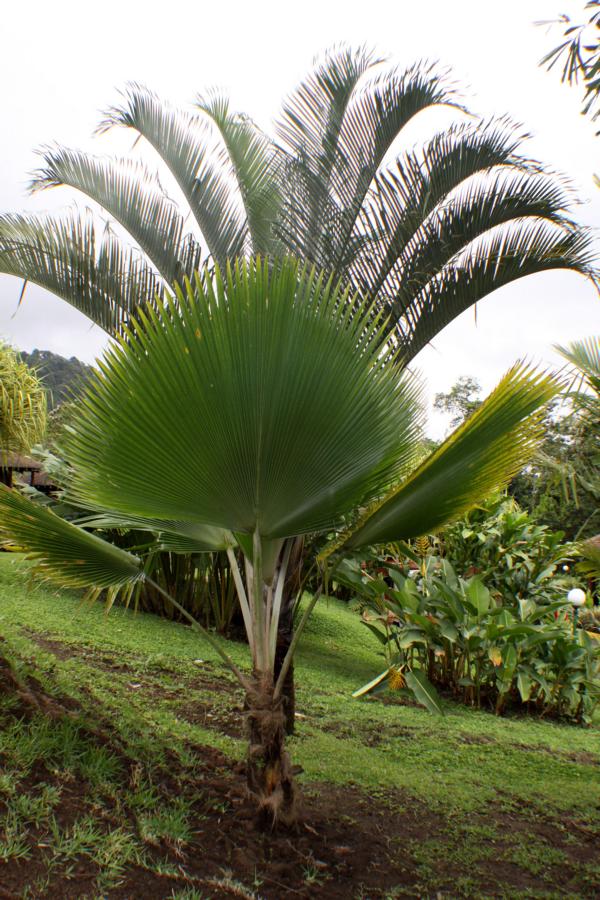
<point>256,401</point>
<point>376,682</point>
<point>423,690</point>
<point>484,453</point>
<point>64,552</point>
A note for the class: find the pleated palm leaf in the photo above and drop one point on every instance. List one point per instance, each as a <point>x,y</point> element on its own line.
<point>250,409</point>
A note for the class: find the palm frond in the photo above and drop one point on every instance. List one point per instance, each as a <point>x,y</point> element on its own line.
<point>406,194</point>
<point>480,456</point>
<point>526,248</point>
<point>97,275</point>
<point>254,163</point>
<point>312,117</point>
<point>135,198</point>
<point>263,397</point>
<point>469,213</point>
<point>310,126</point>
<point>184,143</point>
<point>585,356</point>
<point>63,551</point>
<point>181,537</point>
<point>376,114</point>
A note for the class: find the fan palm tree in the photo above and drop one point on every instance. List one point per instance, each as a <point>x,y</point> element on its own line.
<point>425,233</point>
<point>279,407</point>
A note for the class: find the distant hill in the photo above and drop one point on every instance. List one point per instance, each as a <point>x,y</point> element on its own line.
<point>62,377</point>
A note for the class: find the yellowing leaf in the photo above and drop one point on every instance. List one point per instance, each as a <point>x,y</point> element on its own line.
<point>495,656</point>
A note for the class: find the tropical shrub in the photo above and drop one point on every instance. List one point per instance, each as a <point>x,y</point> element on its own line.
<point>514,555</point>
<point>453,634</point>
<point>269,404</point>
<point>589,619</point>
<point>22,406</point>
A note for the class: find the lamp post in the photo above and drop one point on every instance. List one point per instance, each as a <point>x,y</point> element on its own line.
<point>576,598</point>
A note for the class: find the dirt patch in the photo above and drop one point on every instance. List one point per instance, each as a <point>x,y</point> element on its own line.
<point>63,650</point>
<point>579,756</point>
<point>369,734</point>
<point>228,722</point>
<point>476,739</point>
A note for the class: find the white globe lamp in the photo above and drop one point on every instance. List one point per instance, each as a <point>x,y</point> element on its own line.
<point>576,598</point>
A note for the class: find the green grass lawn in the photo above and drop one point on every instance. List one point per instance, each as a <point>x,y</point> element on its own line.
<point>475,805</point>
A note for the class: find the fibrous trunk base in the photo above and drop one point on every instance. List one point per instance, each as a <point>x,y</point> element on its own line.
<point>269,770</point>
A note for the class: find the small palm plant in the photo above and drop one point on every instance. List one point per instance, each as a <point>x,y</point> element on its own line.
<point>253,407</point>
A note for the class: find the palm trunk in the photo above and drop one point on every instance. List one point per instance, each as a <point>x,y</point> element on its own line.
<point>285,632</point>
<point>269,771</point>
<point>284,639</point>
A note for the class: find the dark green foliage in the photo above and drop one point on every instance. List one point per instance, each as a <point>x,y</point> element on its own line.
<point>560,488</point>
<point>515,555</point>
<point>485,651</point>
<point>61,377</point>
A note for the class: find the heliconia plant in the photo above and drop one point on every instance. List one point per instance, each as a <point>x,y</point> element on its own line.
<point>250,407</point>
<point>440,631</point>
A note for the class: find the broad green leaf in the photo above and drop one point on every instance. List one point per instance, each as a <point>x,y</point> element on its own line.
<point>478,594</point>
<point>509,662</point>
<point>423,690</point>
<point>495,656</point>
<point>527,607</point>
<point>524,685</point>
<point>448,631</point>
<point>367,688</point>
<point>379,634</point>
<point>411,636</point>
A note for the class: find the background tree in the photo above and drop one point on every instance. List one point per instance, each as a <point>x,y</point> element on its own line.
<point>461,400</point>
<point>62,378</point>
<point>579,54</point>
<point>562,484</point>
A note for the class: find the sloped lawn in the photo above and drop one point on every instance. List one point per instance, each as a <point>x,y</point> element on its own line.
<point>121,773</point>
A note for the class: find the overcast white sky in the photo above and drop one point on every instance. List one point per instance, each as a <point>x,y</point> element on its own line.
<point>61,63</point>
